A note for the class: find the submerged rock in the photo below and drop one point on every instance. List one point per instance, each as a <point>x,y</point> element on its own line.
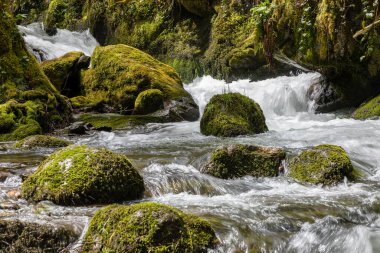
<point>64,72</point>
<point>26,237</point>
<point>323,164</point>
<point>369,110</point>
<point>79,175</point>
<point>147,227</point>
<point>122,77</point>
<point>245,160</point>
<point>232,114</point>
<point>41,141</point>
<point>78,127</point>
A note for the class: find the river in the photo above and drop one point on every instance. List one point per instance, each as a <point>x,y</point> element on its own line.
<point>248,214</point>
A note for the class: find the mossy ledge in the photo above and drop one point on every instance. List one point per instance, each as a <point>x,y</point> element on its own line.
<point>368,110</point>
<point>79,175</point>
<point>41,141</point>
<point>323,164</point>
<point>244,160</point>
<point>232,114</point>
<point>147,227</point>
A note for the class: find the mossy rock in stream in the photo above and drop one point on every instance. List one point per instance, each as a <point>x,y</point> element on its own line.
<point>232,114</point>
<point>149,101</point>
<point>120,73</point>
<point>369,110</point>
<point>64,72</point>
<point>25,237</point>
<point>78,175</point>
<point>323,164</point>
<point>245,160</point>
<point>29,103</point>
<point>147,227</point>
<point>41,141</point>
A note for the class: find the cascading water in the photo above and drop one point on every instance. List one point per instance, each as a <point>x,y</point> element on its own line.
<point>248,214</point>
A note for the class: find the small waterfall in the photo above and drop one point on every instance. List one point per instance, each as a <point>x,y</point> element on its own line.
<point>47,47</point>
<point>281,96</point>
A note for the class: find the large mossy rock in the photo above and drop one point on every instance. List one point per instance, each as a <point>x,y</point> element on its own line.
<point>25,237</point>
<point>197,7</point>
<point>232,114</point>
<point>323,164</point>
<point>147,227</point>
<point>369,110</point>
<point>79,175</point>
<point>244,160</point>
<point>41,141</point>
<point>29,103</point>
<point>64,72</point>
<point>120,74</point>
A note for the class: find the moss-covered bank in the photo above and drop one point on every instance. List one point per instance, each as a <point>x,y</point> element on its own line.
<point>29,103</point>
<point>232,114</point>
<point>41,141</point>
<point>244,160</point>
<point>323,164</point>
<point>147,227</point>
<point>79,175</point>
<point>369,110</point>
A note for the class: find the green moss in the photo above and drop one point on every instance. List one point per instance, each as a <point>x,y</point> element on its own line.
<point>21,236</point>
<point>197,7</point>
<point>41,141</point>
<point>55,15</point>
<point>118,122</point>
<point>28,101</point>
<point>79,175</point>
<point>149,101</point>
<point>119,73</point>
<point>232,114</point>
<point>368,110</point>
<point>58,70</point>
<point>244,160</point>
<point>147,227</point>
<point>323,164</point>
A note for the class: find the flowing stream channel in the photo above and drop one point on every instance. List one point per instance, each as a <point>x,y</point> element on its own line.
<point>248,214</point>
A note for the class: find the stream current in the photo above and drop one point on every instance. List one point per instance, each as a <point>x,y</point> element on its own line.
<point>248,214</point>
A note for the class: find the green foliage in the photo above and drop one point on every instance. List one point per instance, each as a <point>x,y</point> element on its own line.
<point>323,164</point>
<point>79,175</point>
<point>232,114</point>
<point>244,160</point>
<point>369,110</point>
<point>147,227</point>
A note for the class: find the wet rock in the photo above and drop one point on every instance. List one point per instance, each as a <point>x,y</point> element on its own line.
<point>179,110</point>
<point>103,128</point>
<point>78,128</point>
<point>369,110</point>
<point>245,160</point>
<point>232,114</point>
<point>9,206</point>
<point>323,164</point>
<point>4,175</point>
<point>156,228</point>
<point>14,194</point>
<point>41,141</point>
<point>78,175</point>
<point>325,97</point>
<point>64,72</point>
<point>123,77</point>
<point>25,237</point>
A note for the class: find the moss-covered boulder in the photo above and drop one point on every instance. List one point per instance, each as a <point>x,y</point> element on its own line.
<point>24,237</point>
<point>245,160</point>
<point>197,7</point>
<point>369,110</point>
<point>29,103</point>
<point>232,114</point>
<point>149,101</point>
<point>147,227</point>
<point>120,73</point>
<point>41,141</point>
<point>323,164</point>
<point>64,72</point>
<point>79,175</point>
